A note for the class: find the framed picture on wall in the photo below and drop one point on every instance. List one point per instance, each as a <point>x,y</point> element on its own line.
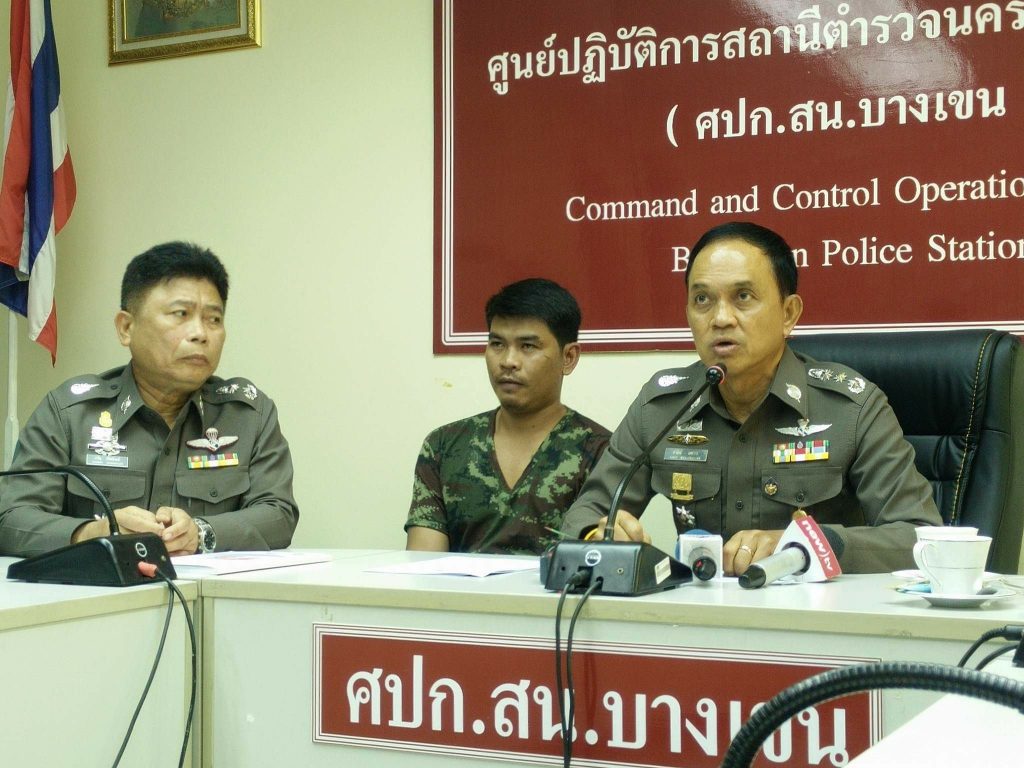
<point>158,29</point>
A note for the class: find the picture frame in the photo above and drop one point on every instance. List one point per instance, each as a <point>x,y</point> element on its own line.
<point>141,30</point>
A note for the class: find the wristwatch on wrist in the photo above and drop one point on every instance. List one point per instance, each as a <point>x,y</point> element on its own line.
<point>207,536</point>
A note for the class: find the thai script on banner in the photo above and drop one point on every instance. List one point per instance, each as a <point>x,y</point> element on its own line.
<point>493,696</point>
<point>634,47</point>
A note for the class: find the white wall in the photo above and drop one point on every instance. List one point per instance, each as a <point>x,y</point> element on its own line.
<point>307,165</point>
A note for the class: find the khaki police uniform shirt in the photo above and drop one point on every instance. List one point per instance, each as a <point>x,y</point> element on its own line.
<point>824,440</point>
<point>99,424</point>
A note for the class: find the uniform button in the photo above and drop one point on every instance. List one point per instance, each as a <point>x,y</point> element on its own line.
<point>106,492</point>
<point>801,496</point>
<point>743,438</point>
<point>213,493</point>
<point>167,451</point>
<point>739,505</point>
<point>114,387</point>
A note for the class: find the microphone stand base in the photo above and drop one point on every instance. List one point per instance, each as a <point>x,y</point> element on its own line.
<point>626,568</point>
<point>108,561</point>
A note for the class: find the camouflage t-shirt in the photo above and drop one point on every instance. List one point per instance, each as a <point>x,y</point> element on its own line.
<point>459,489</point>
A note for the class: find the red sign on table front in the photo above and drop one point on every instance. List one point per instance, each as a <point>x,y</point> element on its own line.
<point>493,696</point>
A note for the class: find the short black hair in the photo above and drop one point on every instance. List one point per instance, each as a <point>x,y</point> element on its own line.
<point>167,261</point>
<point>540,298</point>
<point>771,243</point>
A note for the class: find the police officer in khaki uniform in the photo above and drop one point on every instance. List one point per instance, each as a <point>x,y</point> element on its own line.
<point>781,433</point>
<point>195,459</point>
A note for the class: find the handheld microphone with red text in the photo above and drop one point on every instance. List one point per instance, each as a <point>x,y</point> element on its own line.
<point>805,552</point>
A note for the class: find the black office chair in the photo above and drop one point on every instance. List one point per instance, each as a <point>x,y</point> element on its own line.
<point>959,396</point>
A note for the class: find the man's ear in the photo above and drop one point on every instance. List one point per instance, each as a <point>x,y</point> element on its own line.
<point>123,322</point>
<point>570,357</point>
<point>792,308</point>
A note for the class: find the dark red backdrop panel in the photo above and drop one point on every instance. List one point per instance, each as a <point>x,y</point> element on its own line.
<point>593,141</point>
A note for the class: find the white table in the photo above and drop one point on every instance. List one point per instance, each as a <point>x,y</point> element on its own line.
<point>955,732</point>
<point>75,661</point>
<point>259,640</point>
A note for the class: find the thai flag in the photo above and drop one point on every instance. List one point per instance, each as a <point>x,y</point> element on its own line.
<point>37,191</point>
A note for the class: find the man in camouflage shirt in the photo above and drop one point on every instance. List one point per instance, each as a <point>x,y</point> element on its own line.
<point>501,481</point>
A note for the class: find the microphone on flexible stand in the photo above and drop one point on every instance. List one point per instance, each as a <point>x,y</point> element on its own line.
<point>106,561</point>
<point>626,568</point>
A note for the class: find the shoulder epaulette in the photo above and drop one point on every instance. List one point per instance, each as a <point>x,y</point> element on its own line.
<point>837,378</point>
<point>231,390</point>
<point>85,388</point>
<point>669,381</point>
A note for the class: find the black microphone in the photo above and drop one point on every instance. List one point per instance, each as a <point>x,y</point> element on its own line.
<point>794,558</point>
<point>627,568</point>
<point>105,561</point>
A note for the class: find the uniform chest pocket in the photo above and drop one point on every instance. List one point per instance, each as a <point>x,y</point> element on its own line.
<point>211,491</point>
<point>121,487</point>
<point>803,487</point>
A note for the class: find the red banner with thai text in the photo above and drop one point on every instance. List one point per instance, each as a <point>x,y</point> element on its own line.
<point>493,696</point>
<point>593,141</point>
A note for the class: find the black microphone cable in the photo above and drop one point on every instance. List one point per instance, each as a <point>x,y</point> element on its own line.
<point>149,681</point>
<point>566,718</point>
<point>172,592</point>
<point>1013,632</point>
<point>192,640</point>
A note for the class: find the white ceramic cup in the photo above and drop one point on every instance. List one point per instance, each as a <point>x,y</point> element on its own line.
<point>953,566</point>
<point>945,532</point>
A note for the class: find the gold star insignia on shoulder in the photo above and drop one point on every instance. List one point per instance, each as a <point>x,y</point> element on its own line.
<point>840,377</point>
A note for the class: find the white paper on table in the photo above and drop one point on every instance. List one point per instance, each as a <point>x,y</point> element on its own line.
<point>218,563</point>
<point>461,565</point>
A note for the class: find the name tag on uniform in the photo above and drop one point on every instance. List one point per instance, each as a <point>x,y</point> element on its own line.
<point>206,461</point>
<point>686,454</point>
<point>103,460</point>
<point>806,450</point>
